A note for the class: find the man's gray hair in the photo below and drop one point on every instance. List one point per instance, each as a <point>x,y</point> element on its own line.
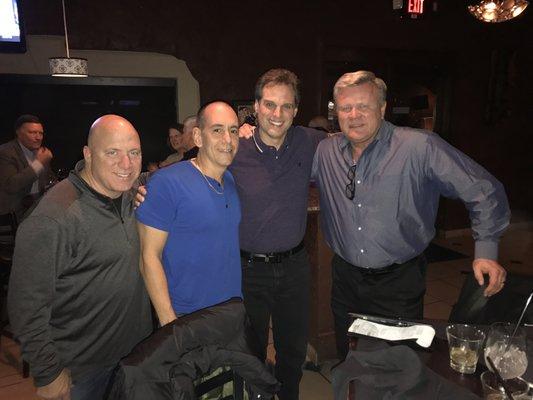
<point>358,78</point>
<point>190,119</point>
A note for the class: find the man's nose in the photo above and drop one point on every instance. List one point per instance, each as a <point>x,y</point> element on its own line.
<point>354,112</point>
<point>226,137</point>
<point>125,161</point>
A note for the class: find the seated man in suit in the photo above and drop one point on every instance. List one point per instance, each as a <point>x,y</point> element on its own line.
<point>24,166</point>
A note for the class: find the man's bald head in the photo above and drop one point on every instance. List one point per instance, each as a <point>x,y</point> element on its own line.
<point>106,124</point>
<point>112,156</point>
<point>217,136</point>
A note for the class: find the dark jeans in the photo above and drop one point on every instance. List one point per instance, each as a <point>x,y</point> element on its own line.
<point>398,293</point>
<point>280,290</point>
<point>92,386</point>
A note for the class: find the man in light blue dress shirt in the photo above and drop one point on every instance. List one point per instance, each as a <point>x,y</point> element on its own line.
<point>379,192</point>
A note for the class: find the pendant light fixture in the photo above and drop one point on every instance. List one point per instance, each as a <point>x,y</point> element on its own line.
<point>498,10</point>
<point>70,66</point>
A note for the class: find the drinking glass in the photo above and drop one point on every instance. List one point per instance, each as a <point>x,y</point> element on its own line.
<point>492,390</point>
<point>464,342</point>
<point>508,356</point>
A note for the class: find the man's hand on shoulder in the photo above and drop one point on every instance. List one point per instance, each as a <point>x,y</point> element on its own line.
<point>246,131</point>
<point>44,155</point>
<point>139,197</point>
<point>58,389</point>
<point>495,271</point>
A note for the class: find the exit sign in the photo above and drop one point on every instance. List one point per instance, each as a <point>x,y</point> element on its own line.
<point>415,9</point>
<point>415,6</point>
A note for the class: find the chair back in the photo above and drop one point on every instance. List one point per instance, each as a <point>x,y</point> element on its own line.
<point>473,307</point>
<point>8,231</point>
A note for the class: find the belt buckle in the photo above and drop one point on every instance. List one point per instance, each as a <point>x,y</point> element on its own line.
<point>267,258</point>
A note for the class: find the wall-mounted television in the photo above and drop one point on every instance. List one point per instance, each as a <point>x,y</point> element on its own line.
<point>12,38</point>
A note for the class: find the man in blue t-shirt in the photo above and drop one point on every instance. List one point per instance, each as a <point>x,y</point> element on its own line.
<point>189,223</point>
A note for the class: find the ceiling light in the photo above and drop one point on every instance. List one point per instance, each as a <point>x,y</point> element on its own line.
<point>498,10</point>
<point>70,66</point>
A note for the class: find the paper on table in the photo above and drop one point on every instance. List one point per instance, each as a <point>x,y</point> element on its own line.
<point>422,333</point>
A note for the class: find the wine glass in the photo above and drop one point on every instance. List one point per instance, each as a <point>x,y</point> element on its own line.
<point>509,356</point>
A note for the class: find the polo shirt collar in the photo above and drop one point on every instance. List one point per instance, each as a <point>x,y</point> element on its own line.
<point>265,148</point>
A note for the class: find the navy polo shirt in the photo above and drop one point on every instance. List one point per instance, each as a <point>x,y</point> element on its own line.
<point>273,186</point>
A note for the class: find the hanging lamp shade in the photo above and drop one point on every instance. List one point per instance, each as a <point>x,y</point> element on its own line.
<point>68,67</point>
<point>71,67</point>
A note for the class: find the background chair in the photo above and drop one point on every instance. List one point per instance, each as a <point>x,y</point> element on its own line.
<point>505,306</point>
<point>220,380</point>
<point>8,231</point>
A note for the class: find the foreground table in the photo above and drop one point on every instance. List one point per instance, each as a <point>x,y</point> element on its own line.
<point>437,358</point>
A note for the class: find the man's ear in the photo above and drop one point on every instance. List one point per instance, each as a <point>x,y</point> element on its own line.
<point>256,106</point>
<point>383,108</point>
<point>197,136</point>
<point>87,154</point>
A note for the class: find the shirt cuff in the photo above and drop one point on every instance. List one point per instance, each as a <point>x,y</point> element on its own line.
<point>37,166</point>
<point>488,250</point>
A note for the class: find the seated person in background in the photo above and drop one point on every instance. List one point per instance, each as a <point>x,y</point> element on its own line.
<point>152,166</point>
<point>175,142</point>
<point>24,166</point>
<point>189,223</point>
<point>319,122</point>
<point>191,150</point>
<point>76,300</point>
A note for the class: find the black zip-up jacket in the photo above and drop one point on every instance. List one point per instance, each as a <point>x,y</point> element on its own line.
<point>76,297</point>
<point>163,366</point>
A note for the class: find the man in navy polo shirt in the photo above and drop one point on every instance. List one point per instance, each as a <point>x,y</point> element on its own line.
<point>188,224</point>
<point>272,172</point>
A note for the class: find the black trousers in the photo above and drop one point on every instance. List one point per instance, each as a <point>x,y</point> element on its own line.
<point>280,290</point>
<point>398,293</point>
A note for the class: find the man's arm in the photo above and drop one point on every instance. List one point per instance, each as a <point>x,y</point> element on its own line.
<point>460,177</point>
<point>36,261</point>
<point>152,243</point>
<point>13,180</point>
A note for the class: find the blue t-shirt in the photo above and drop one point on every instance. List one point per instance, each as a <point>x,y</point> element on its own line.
<point>201,257</point>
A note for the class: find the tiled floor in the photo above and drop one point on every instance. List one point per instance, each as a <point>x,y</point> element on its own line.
<point>444,280</point>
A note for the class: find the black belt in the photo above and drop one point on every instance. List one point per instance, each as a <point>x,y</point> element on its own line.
<point>273,257</point>
<point>387,269</point>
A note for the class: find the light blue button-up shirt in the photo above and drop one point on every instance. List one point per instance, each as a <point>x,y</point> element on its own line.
<point>398,180</point>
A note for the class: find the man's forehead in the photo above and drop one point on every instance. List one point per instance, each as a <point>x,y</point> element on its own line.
<point>363,92</point>
<point>32,126</point>
<point>116,138</point>
<point>275,88</point>
<point>221,120</point>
